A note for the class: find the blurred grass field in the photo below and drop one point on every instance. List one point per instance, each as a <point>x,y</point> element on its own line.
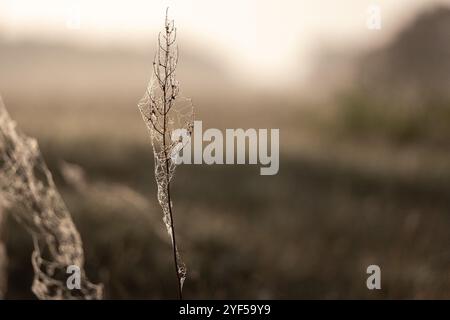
<point>336,206</point>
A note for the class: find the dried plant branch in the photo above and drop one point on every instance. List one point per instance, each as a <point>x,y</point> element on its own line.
<point>26,183</point>
<point>164,111</point>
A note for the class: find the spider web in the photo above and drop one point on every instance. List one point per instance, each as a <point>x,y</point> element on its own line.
<point>27,184</point>
<point>181,118</point>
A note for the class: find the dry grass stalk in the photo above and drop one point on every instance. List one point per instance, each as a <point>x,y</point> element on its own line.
<point>163,112</point>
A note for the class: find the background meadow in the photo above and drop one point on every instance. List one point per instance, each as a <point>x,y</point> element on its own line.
<point>364,161</point>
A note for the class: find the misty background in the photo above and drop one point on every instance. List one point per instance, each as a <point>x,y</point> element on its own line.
<point>364,130</point>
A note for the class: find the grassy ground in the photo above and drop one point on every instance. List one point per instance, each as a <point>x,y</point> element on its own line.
<point>338,204</point>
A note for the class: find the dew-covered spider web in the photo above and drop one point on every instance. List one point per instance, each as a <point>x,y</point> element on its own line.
<point>27,185</point>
